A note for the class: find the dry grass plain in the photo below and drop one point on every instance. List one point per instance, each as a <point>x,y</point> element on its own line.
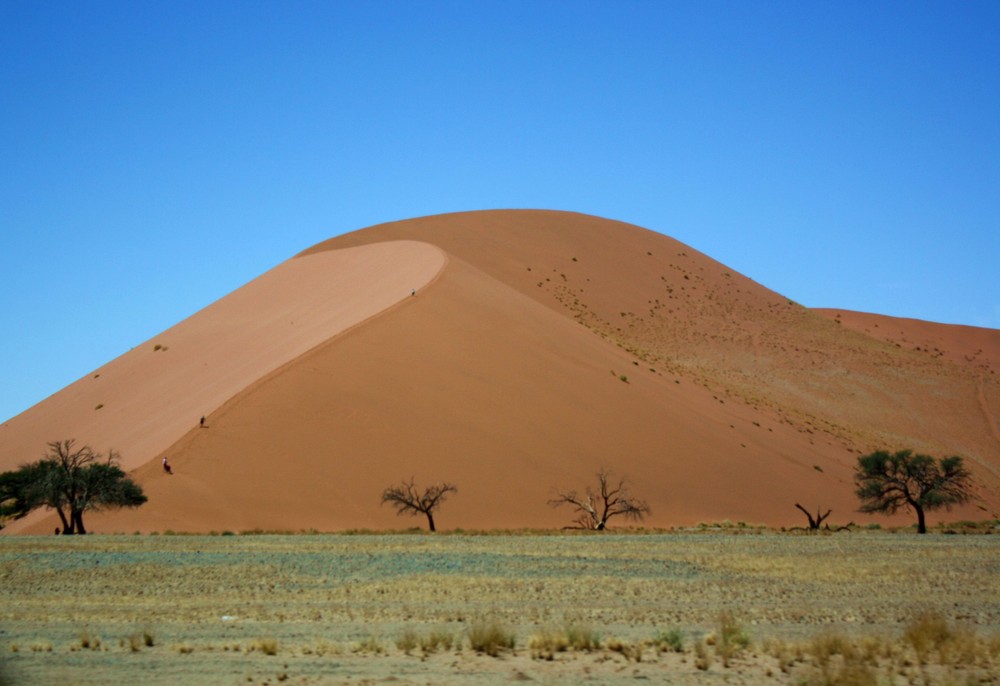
<point>705,608</point>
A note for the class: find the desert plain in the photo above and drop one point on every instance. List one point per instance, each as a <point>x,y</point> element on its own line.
<point>712,606</point>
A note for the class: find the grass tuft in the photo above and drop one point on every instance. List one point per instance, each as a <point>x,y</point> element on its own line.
<point>491,638</point>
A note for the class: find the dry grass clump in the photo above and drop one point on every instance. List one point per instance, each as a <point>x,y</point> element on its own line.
<point>268,646</point>
<point>547,642</point>
<point>139,640</point>
<point>437,639</point>
<point>731,639</point>
<point>491,638</point>
<point>935,641</point>
<point>930,650</point>
<point>369,644</point>
<point>669,641</point>
<point>430,643</point>
<point>320,648</point>
<point>89,642</point>
<point>630,651</point>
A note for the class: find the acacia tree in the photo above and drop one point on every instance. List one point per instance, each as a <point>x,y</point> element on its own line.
<point>407,499</point>
<point>887,482</point>
<point>71,481</point>
<point>595,508</point>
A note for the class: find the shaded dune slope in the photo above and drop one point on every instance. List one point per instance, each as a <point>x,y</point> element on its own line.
<point>504,376</point>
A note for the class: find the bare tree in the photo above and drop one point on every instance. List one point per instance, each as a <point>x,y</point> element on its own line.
<point>817,521</point>
<point>407,499</point>
<point>595,508</point>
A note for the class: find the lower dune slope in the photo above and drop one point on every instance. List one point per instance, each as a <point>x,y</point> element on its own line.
<point>473,383</point>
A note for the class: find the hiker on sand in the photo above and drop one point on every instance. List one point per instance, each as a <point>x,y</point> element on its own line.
<point>166,465</point>
<point>201,423</point>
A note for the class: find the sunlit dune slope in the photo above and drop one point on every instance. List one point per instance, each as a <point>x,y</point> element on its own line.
<point>552,344</point>
<point>145,400</point>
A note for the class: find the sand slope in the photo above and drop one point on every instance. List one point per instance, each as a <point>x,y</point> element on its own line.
<point>504,376</point>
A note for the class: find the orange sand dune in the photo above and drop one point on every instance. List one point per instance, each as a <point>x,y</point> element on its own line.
<point>549,345</point>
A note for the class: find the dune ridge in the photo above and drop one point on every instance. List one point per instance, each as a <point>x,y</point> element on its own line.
<point>550,344</point>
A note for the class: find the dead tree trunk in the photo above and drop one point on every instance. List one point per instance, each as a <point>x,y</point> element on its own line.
<point>817,521</point>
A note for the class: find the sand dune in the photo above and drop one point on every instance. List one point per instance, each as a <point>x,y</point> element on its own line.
<point>549,345</point>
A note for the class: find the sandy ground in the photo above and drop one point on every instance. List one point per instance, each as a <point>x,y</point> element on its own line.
<point>340,609</point>
<point>543,346</point>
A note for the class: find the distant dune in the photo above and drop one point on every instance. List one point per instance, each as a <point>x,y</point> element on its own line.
<point>538,347</point>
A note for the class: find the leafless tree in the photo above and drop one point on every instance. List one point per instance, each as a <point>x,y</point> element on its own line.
<point>817,521</point>
<point>407,499</point>
<point>595,508</point>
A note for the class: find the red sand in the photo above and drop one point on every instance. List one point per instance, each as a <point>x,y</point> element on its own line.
<point>504,375</point>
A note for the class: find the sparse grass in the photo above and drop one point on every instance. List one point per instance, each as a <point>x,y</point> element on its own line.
<point>822,610</point>
<point>369,644</point>
<point>491,637</point>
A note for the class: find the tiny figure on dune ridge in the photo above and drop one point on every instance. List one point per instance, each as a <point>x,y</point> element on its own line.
<point>201,422</point>
<point>166,466</point>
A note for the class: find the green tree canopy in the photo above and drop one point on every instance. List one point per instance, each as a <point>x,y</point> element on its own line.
<point>71,481</point>
<point>887,482</point>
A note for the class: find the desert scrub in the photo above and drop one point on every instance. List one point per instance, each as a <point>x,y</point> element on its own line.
<point>491,638</point>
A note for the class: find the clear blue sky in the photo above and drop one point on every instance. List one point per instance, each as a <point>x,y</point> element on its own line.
<point>155,156</point>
